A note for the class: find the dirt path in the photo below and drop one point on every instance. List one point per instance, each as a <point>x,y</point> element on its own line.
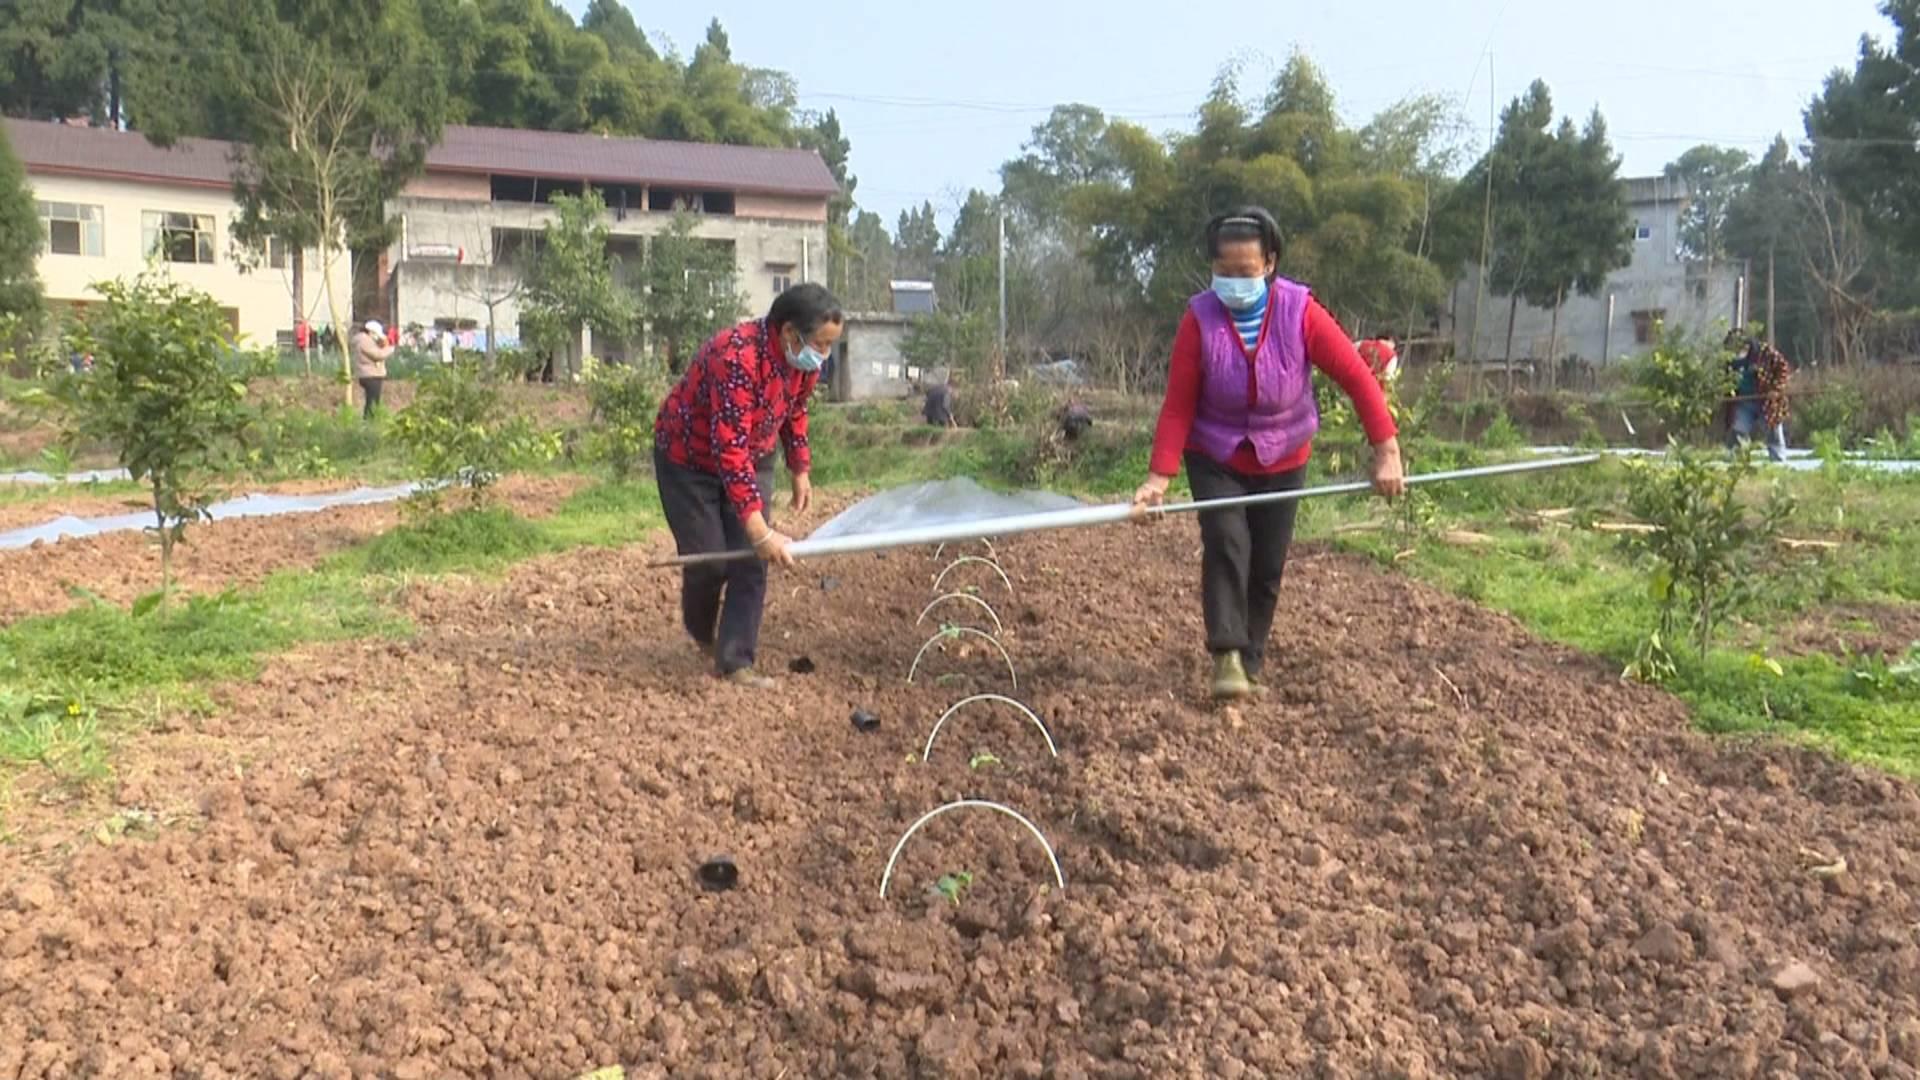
<point>119,567</point>
<point>1440,848</point>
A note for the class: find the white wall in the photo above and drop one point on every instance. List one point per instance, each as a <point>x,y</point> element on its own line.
<point>262,299</point>
<point>764,248</point>
<point>1658,279</point>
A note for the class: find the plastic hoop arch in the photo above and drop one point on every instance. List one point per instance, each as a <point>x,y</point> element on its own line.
<point>970,598</point>
<point>886,878</point>
<point>966,559</point>
<point>988,544</point>
<point>1030,714</point>
<point>962,631</point>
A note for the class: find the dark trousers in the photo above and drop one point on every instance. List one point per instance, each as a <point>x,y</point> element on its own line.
<point>1243,555</point>
<point>370,388</point>
<point>720,604</point>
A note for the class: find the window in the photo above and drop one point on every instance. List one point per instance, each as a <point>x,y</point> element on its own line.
<point>1642,232</point>
<point>1646,325</point>
<point>277,253</point>
<point>782,277</point>
<point>73,229</point>
<point>181,238</point>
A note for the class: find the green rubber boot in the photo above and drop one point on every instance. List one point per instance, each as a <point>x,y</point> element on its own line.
<point>1230,682</point>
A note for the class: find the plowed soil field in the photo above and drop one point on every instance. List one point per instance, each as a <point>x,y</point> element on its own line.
<point>1438,847</point>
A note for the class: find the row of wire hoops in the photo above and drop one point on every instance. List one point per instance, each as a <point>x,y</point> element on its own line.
<point>970,602</point>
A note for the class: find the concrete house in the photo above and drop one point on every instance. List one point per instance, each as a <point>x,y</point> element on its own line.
<point>467,222</point>
<point>110,200</point>
<point>1658,286</point>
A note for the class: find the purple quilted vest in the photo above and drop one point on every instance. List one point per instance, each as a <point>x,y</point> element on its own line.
<point>1284,416</point>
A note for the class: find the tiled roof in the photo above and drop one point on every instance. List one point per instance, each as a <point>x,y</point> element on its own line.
<point>46,147</point>
<point>49,147</point>
<point>632,161</point>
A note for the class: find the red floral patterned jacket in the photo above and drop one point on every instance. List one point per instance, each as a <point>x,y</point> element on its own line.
<point>738,397</point>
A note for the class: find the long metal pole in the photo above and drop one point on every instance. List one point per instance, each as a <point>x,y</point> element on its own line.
<point>1084,516</point>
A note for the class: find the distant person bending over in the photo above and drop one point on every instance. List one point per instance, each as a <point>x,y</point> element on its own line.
<point>1240,407</point>
<point>939,407</point>
<point>370,352</point>
<point>745,394</point>
<point>1382,355</point>
<point>1760,397</point>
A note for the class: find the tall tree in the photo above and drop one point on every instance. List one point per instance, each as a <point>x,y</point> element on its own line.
<point>20,241</point>
<point>325,134</point>
<point>1862,127</point>
<point>691,291</point>
<point>1560,221</point>
<point>916,243</point>
<point>872,266</point>
<point>611,22</point>
<point>1715,177</point>
<point>571,286</point>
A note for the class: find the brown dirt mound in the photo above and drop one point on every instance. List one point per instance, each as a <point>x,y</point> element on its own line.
<point>119,567</point>
<point>1439,848</point>
<point>1887,630</point>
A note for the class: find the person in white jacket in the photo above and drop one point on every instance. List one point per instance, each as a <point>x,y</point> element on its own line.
<point>370,352</point>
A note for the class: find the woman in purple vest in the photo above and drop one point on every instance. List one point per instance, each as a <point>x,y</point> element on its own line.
<point>1240,411</point>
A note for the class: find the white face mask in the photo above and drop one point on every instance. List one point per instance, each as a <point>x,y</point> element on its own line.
<point>806,359</point>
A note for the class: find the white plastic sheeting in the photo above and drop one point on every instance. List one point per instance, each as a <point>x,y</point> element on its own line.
<point>937,502</point>
<point>246,506</point>
<point>31,478</point>
<point>1797,460</point>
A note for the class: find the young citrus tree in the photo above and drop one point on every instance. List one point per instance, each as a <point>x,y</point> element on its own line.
<point>1686,383</point>
<point>162,395</point>
<point>460,433</point>
<point>1705,541</point>
<point>625,398</point>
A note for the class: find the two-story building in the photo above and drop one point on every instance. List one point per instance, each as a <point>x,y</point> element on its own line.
<point>470,221</point>
<point>111,201</point>
<point>1660,286</point>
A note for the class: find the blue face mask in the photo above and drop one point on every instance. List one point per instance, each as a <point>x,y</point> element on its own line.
<point>807,359</point>
<point>1239,293</point>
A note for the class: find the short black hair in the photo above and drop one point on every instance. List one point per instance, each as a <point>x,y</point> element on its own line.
<point>1238,226</point>
<point>806,307</point>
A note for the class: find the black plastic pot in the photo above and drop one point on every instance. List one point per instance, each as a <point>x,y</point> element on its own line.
<point>718,874</point>
<point>865,722</point>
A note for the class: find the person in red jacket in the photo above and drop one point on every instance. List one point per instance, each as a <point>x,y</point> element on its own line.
<point>1382,355</point>
<point>745,392</point>
<point>1240,411</point>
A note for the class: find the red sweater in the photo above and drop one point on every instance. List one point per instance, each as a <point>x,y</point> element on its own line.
<point>737,400</point>
<point>1328,348</point>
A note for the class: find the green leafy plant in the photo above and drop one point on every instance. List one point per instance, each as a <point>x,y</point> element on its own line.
<point>1875,676</point>
<point>160,395</point>
<point>1502,434</point>
<point>624,400</point>
<point>1835,410</point>
<point>1652,662</point>
<point>982,760</point>
<point>953,887</point>
<point>459,433</point>
<point>1686,382</point>
<point>1704,540</point>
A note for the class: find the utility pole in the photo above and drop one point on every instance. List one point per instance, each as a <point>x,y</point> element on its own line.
<point>1486,230</point>
<point>1000,363</point>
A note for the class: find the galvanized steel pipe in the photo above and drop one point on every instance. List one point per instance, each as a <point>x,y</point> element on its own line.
<point>1084,516</point>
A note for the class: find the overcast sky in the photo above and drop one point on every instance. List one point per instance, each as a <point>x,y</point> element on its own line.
<point>935,97</point>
